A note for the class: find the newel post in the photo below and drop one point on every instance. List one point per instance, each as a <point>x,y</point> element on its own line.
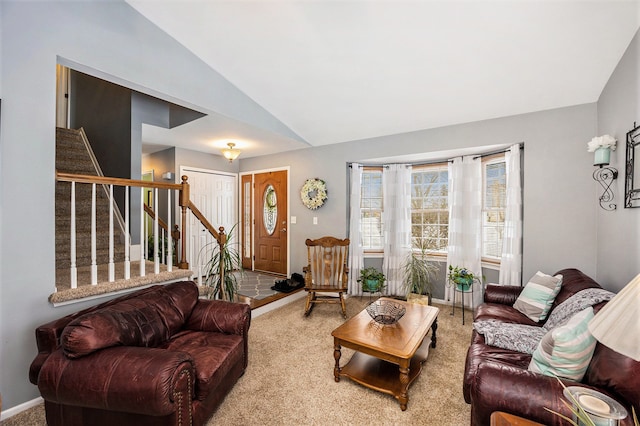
<point>222,240</point>
<point>184,203</point>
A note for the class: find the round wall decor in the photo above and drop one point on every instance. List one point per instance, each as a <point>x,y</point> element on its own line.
<point>313,193</point>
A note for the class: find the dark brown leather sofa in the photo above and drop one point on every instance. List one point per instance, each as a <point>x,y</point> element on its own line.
<point>158,356</point>
<point>498,379</point>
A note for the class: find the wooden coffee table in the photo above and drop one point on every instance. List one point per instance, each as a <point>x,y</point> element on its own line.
<point>388,358</point>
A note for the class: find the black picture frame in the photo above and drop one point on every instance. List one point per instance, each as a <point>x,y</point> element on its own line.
<point>632,167</point>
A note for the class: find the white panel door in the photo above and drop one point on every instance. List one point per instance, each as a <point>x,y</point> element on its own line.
<point>215,195</point>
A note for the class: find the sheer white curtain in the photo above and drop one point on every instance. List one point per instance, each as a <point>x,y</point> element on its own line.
<point>511,262</point>
<point>396,220</point>
<point>356,259</point>
<point>465,221</point>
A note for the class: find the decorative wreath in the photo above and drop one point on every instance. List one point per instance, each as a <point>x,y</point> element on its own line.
<point>270,198</point>
<point>313,193</point>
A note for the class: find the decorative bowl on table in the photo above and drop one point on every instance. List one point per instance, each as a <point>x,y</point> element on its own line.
<point>386,311</point>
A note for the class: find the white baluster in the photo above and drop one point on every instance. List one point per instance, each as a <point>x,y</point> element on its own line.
<point>162,253</point>
<point>94,265</point>
<point>112,266</point>
<point>143,242</point>
<point>169,236</point>
<point>156,234</point>
<point>74,269</point>
<point>127,236</point>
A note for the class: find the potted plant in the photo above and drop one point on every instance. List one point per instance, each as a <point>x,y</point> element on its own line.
<point>222,282</point>
<point>418,276</point>
<point>461,277</point>
<point>372,280</point>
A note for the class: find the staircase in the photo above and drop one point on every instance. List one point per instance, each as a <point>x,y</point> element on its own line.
<point>72,156</point>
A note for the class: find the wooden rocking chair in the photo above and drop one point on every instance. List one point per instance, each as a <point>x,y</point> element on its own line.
<point>326,272</point>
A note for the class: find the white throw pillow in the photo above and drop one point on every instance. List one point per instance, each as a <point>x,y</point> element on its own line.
<point>566,351</point>
<point>538,295</point>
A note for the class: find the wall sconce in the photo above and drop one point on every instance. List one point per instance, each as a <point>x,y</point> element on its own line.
<point>230,153</point>
<point>602,146</point>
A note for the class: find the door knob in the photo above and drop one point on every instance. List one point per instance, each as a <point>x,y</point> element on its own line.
<point>283,230</point>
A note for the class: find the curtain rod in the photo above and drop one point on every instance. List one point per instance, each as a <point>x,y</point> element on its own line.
<point>449,160</point>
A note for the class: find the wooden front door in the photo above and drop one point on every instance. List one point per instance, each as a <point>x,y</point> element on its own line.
<point>270,221</point>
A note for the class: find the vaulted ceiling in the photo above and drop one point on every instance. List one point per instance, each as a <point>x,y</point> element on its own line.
<point>335,71</point>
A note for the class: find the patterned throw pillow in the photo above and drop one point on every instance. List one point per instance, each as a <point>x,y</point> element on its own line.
<point>538,295</point>
<point>566,351</point>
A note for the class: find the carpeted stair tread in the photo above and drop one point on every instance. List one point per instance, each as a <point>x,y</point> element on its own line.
<point>72,156</point>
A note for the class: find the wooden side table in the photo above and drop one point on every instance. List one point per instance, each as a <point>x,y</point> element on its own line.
<point>498,418</point>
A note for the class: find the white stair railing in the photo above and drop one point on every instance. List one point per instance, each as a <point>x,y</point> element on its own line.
<point>162,249</point>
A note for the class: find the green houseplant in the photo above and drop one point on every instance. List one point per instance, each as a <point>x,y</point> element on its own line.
<point>372,280</point>
<point>461,277</point>
<point>418,275</point>
<point>222,282</point>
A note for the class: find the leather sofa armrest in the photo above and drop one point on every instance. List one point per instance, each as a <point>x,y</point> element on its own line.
<point>148,381</point>
<point>502,294</point>
<point>502,387</point>
<point>220,316</point>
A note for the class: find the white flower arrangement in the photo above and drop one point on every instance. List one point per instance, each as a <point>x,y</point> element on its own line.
<point>313,193</point>
<point>605,141</point>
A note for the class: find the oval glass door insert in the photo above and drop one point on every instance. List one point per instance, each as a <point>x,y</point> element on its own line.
<point>270,212</point>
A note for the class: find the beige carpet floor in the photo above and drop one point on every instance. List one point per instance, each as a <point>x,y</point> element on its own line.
<point>290,381</point>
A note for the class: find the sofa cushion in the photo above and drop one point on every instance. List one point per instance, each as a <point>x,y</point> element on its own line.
<point>147,320</point>
<point>573,280</point>
<point>504,313</point>
<point>538,295</point>
<point>566,351</point>
<point>214,355</point>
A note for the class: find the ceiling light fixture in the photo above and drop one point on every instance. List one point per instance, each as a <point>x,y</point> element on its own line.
<point>230,153</point>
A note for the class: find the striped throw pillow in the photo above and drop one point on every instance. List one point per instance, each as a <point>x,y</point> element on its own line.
<point>538,295</point>
<point>566,351</point>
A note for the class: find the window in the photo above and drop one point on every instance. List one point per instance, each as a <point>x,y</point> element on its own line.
<point>493,207</point>
<point>430,208</point>
<point>371,209</point>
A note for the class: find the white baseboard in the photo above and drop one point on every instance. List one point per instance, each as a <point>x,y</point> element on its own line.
<point>4,415</point>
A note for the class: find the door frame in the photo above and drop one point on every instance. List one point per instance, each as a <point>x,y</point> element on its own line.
<point>252,173</point>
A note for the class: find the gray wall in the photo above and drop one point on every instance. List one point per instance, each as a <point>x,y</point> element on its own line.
<point>618,240</point>
<point>111,41</point>
<point>103,109</point>
<point>559,200</point>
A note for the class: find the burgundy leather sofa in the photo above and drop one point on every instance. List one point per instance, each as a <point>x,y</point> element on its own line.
<point>498,379</point>
<point>158,356</point>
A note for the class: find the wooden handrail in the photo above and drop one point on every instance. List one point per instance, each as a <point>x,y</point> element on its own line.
<point>70,177</point>
<point>148,210</point>
<point>218,235</point>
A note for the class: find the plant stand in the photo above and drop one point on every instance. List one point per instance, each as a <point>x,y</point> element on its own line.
<point>462,292</point>
<point>371,293</point>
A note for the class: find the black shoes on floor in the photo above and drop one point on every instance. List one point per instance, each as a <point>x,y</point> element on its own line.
<point>288,285</point>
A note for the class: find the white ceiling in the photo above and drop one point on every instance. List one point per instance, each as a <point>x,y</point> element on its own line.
<point>335,71</point>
